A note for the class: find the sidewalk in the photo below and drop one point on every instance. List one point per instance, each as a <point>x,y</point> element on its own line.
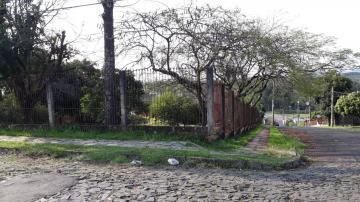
<point>259,143</point>
<point>178,145</point>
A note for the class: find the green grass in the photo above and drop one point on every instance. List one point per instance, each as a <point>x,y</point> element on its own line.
<point>101,135</point>
<point>349,128</point>
<point>279,141</point>
<point>236,142</point>
<point>223,145</point>
<point>149,156</point>
<point>119,155</point>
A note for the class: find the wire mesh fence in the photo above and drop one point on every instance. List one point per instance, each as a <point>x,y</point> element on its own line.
<point>77,99</point>
<point>153,98</point>
<point>165,99</point>
<point>176,98</point>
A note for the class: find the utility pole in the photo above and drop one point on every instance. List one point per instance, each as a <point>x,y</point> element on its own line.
<point>109,63</point>
<point>332,107</point>
<point>273,105</point>
<point>309,111</point>
<point>298,112</point>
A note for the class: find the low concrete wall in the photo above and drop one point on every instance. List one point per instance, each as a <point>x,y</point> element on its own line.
<point>195,130</point>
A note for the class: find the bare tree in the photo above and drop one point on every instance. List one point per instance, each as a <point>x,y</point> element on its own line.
<point>278,53</point>
<point>183,43</point>
<point>246,53</point>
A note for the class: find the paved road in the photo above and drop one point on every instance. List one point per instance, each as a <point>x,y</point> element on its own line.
<point>30,188</point>
<point>334,145</point>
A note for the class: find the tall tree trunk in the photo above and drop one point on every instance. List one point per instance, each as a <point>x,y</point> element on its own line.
<point>201,101</point>
<point>109,66</point>
<point>202,109</point>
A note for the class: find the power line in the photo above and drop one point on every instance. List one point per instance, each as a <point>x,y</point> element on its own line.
<point>114,1</point>
<point>79,6</point>
<point>71,7</point>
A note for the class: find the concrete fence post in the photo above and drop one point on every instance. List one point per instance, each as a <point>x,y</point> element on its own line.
<point>210,100</point>
<point>233,112</point>
<point>123,99</point>
<point>50,105</point>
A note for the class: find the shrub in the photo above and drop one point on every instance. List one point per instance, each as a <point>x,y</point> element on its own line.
<point>10,111</point>
<point>40,114</point>
<point>91,107</point>
<point>349,105</point>
<point>137,119</point>
<point>174,110</point>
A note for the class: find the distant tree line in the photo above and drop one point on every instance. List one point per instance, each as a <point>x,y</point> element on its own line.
<point>315,89</point>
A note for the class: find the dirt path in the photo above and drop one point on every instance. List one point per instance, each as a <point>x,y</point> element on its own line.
<point>259,143</point>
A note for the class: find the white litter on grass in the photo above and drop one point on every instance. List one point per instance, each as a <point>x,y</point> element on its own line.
<point>173,162</point>
<point>136,163</point>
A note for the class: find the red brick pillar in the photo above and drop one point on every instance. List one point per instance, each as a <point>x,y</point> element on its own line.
<point>219,109</point>
<point>229,113</point>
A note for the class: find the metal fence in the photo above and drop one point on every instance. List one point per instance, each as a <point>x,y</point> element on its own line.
<point>163,100</point>
<point>151,99</point>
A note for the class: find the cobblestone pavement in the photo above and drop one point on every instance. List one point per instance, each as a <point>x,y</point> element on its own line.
<point>333,181</point>
<point>178,145</point>
<point>337,179</point>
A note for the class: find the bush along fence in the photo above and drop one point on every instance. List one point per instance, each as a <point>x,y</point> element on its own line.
<point>145,100</point>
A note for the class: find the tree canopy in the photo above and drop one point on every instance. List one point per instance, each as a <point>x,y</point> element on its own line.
<point>246,53</point>
<point>349,105</point>
<point>30,56</point>
<point>341,85</point>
